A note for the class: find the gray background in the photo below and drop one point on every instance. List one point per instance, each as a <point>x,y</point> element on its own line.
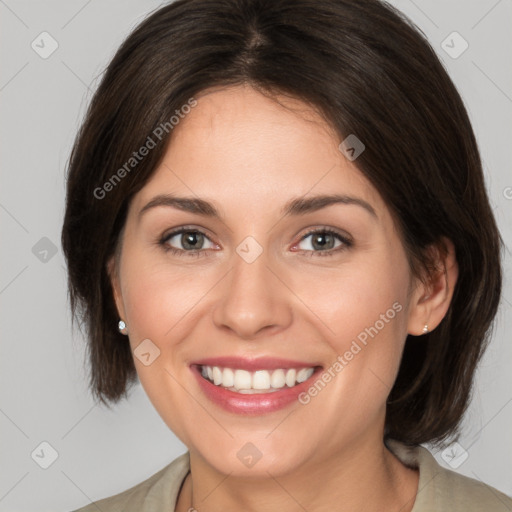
<point>43,387</point>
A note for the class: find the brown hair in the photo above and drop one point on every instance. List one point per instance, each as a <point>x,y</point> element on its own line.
<point>370,72</point>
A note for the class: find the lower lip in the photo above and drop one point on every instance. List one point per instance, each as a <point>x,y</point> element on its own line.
<point>259,403</point>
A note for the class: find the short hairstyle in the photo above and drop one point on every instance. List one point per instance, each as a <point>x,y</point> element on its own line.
<point>368,71</point>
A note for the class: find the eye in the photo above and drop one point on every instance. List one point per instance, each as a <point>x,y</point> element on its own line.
<point>326,241</point>
<point>186,240</point>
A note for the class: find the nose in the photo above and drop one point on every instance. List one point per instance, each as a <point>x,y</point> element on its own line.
<point>253,300</point>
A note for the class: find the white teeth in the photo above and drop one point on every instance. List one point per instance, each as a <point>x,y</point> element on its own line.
<point>246,382</point>
<point>290,378</point>
<point>228,378</point>
<point>261,380</point>
<point>242,379</point>
<point>304,374</point>
<point>278,379</point>
<point>217,375</point>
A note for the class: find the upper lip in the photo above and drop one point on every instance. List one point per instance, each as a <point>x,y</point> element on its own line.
<point>253,364</point>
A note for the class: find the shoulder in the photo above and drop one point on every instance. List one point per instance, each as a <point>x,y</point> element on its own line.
<point>158,492</point>
<point>441,489</point>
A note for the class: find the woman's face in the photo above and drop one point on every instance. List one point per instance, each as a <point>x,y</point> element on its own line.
<point>268,276</point>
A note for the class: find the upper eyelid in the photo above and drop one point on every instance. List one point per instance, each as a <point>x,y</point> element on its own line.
<point>184,229</point>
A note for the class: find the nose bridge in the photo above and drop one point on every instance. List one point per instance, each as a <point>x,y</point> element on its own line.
<point>252,297</point>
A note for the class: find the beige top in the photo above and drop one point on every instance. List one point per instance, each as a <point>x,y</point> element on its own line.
<point>438,490</point>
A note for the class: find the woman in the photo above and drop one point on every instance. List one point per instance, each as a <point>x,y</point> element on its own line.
<point>276,219</point>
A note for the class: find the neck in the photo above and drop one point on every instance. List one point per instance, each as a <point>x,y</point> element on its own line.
<point>364,476</point>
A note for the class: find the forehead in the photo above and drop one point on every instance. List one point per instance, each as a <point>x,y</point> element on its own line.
<point>241,148</point>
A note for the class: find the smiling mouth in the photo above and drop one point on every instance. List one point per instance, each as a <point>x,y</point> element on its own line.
<point>255,382</point>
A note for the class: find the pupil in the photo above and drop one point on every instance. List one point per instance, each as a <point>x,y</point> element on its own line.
<point>320,241</point>
<point>190,240</point>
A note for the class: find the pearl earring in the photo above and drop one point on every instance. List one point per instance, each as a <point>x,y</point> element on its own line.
<point>122,327</point>
<point>425,329</point>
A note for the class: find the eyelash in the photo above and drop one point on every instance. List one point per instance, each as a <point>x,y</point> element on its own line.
<point>347,243</point>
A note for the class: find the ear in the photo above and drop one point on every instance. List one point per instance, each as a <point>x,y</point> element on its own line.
<point>431,299</point>
<point>113,274</point>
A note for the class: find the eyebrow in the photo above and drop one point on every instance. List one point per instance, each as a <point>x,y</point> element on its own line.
<point>298,206</point>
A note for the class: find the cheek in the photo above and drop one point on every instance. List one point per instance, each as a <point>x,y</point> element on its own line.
<point>158,297</point>
<point>363,311</point>
<point>354,297</point>
<point>159,301</point>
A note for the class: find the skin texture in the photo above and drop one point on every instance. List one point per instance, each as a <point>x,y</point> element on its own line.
<point>249,155</point>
